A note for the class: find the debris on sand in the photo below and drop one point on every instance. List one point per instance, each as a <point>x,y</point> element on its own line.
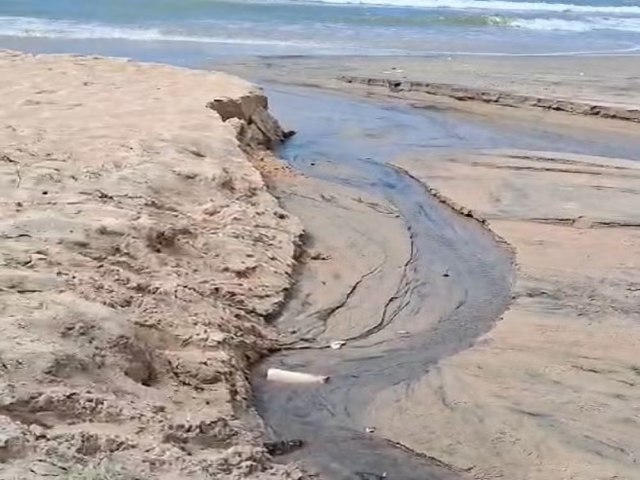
<point>287,376</point>
<point>283,447</point>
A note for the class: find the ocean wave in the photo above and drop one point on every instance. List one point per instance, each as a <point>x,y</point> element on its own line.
<point>582,25</point>
<point>65,29</point>
<point>28,27</point>
<point>502,5</point>
<point>418,21</point>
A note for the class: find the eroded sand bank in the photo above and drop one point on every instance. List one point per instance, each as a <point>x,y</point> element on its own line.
<point>139,253</point>
<point>552,390</point>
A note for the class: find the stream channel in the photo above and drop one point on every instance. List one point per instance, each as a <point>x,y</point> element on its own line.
<point>454,286</point>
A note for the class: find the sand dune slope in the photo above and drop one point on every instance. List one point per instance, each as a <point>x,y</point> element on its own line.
<point>139,252</point>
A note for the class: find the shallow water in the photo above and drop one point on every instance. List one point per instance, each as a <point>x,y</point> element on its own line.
<point>337,127</point>
<point>349,142</point>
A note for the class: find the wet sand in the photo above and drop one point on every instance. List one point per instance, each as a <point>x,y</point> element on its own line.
<point>552,390</point>
<point>588,86</point>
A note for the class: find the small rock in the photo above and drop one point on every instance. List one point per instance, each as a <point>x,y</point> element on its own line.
<point>370,430</point>
<point>337,344</point>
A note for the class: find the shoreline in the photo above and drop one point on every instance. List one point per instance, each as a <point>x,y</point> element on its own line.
<point>574,92</point>
<point>498,97</point>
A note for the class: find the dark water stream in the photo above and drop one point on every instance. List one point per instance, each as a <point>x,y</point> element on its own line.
<point>351,142</point>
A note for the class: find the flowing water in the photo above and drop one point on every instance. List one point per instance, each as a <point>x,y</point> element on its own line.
<point>446,316</point>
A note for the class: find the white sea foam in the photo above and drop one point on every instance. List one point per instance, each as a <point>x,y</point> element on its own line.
<point>502,5</point>
<point>46,28</point>
<point>582,25</point>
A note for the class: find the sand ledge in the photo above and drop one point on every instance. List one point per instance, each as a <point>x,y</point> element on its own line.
<point>497,97</point>
<point>140,253</point>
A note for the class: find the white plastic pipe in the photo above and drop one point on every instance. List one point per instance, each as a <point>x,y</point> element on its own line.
<point>286,376</point>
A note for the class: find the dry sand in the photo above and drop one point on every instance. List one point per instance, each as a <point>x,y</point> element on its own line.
<point>553,391</point>
<point>139,253</point>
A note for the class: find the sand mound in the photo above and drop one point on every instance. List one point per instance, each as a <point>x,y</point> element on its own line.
<point>139,253</point>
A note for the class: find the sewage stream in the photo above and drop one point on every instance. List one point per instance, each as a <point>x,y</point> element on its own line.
<point>351,142</point>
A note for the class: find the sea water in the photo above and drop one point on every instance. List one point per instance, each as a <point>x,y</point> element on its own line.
<point>186,29</point>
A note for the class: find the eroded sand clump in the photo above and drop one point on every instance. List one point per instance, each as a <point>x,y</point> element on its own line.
<point>139,253</point>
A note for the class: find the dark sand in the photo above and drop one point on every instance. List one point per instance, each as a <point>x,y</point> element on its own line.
<point>552,391</point>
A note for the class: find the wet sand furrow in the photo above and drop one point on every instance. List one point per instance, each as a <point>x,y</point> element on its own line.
<point>322,316</point>
<point>573,336</point>
<point>397,301</point>
<point>403,382</point>
<point>507,99</point>
<point>443,317</point>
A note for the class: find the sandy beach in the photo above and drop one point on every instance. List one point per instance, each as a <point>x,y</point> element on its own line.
<point>551,392</point>
<point>140,253</point>
<point>157,257</point>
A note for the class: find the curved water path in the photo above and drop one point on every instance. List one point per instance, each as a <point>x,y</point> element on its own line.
<point>353,141</point>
